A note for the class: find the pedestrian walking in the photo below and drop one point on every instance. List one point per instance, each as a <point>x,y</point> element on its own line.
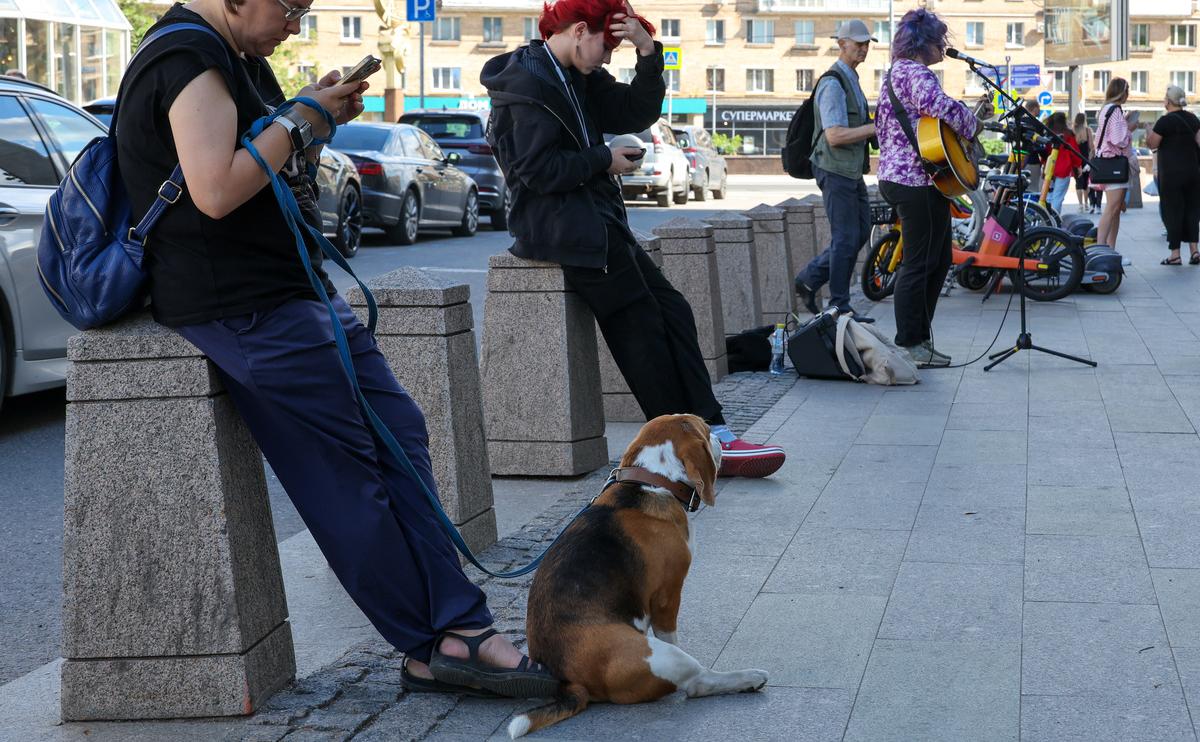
<point>1086,140</point>
<point>1115,139</point>
<point>552,102</point>
<point>1176,139</point>
<point>839,159</point>
<point>225,274</point>
<point>1066,164</point>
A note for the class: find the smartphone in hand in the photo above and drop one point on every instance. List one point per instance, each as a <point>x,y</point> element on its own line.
<point>364,69</point>
<point>636,155</point>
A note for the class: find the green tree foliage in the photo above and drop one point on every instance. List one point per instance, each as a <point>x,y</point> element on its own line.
<point>140,16</point>
<point>285,64</point>
<point>726,144</point>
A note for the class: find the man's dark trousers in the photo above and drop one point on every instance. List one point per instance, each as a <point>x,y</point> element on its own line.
<point>849,212</point>
<point>372,522</point>
<point>650,329</point>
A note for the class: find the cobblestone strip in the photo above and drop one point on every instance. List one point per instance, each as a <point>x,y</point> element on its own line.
<point>360,696</point>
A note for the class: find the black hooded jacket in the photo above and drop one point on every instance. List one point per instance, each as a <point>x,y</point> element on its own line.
<point>561,191</point>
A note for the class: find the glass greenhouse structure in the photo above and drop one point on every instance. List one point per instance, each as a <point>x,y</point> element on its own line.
<point>77,47</point>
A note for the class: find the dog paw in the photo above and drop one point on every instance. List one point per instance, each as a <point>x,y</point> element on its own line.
<point>755,680</point>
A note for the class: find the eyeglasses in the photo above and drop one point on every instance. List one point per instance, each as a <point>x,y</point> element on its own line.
<point>292,12</point>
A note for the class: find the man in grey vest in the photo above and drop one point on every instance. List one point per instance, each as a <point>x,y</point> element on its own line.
<point>839,157</point>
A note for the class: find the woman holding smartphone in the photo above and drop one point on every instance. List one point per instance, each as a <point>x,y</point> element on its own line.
<point>224,273</point>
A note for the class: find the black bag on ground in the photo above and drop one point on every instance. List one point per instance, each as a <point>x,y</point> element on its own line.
<point>812,349</point>
<point>797,148</point>
<point>749,350</point>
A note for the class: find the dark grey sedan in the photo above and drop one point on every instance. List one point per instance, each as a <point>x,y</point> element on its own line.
<point>408,182</point>
<point>462,131</point>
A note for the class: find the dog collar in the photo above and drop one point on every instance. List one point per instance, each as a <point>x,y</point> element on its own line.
<point>684,492</point>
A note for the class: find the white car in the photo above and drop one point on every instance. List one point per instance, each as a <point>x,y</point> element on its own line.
<point>664,174</point>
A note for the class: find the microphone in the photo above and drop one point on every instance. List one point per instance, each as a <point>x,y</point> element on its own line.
<point>956,54</point>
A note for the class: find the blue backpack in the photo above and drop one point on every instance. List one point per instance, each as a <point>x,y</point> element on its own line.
<point>89,258</point>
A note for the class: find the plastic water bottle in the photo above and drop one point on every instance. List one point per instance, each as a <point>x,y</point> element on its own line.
<point>778,340</point>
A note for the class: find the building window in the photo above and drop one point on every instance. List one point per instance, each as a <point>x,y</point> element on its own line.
<point>1139,81</point>
<point>805,33</point>
<point>1183,34</point>
<point>1139,36</point>
<point>351,28</point>
<point>804,81</point>
<point>493,30</point>
<point>883,32</point>
<point>879,81</point>
<point>1058,81</point>
<point>1100,80</point>
<point>714,80</point>
<point>669,28</point>
<point>530,29</point>
<point>760,32</point>
<point>307,72</point>
<point>447,78</point>
<point>671,78</point>
<point>1015,35</point>
<point>308,28</point>
<point>626,74</point>
<point>974,33</point>
<point>1185,80</point>
<point>447,29</point>
<point>714,32</point>
<point>760,81</point>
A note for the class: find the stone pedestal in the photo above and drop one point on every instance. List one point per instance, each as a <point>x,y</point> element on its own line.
<point>741,303</point>
<point>541,375</point>
<point>173,602</point>
<point>798,224</point>
<point>690,264</point>
<point>425,332</point>
<point>775,270</point>
<point>619,404</point>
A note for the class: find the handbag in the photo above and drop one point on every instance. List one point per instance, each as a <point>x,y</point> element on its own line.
<point>813,349</point>
<point>1109,170</point>
<point>89,258</point>
<point>749,350</point>
<point>881,361</point>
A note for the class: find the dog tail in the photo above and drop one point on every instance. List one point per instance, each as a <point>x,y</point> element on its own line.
<point>572,699</point>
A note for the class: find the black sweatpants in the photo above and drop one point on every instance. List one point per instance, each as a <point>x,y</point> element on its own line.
<point>650,329</point>
<point>1179,207</point>
<point>925,226</point>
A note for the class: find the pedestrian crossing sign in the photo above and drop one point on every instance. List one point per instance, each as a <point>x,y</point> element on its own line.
<point>672,58</point>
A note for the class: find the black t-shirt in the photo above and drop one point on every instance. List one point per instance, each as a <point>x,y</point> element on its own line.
<point>1178,156</point>
<point>200,268</point>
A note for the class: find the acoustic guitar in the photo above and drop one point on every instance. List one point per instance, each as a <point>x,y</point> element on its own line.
<point>954,158</point>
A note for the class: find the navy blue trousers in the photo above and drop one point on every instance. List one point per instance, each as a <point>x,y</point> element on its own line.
<point>372,522</point>
<point>849,211</point>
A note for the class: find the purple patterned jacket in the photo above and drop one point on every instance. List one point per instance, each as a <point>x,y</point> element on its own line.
<point>918,91</point>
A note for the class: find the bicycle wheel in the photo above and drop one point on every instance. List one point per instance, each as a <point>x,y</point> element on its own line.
<point>973,279</point>
<point>1064,257</point>
<point>968,228</point>
<point>1037,215</point>
<point>877,281</point>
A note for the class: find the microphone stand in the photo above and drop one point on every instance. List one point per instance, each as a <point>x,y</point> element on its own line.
<point>1024,338</point>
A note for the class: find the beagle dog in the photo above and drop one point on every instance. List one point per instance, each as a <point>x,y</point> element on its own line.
<point>617,574</point>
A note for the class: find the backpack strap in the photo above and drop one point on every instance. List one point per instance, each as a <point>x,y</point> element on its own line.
<point>818,133</point>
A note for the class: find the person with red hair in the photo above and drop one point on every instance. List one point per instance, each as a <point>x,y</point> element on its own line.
<point>552,104</point>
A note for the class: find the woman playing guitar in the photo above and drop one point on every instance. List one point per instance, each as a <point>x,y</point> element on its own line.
<point>920,41</point>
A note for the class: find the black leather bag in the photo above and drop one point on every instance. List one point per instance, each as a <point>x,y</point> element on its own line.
<point>812,349</point>
<point>749,350</point>
<point>1109,170</point>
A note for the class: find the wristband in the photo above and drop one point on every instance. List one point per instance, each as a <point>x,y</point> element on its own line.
<point>298,128</point>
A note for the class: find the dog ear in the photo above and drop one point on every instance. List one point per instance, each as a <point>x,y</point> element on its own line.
<point>698,460</point>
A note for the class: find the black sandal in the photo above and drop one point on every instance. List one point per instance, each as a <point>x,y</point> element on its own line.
<point>528,680</point>
<point>1175,261</point>
<point>414,684</point>
<point>1195,259</point>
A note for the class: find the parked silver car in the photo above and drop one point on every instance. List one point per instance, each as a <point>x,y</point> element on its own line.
<point>40,136</point>
<point>708,165</point>
<point>664,173</point>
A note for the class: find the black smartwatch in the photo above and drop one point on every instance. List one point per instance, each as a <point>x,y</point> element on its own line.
<point>298,128</point>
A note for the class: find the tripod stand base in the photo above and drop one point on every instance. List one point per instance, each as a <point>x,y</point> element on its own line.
<point>1025,342</point>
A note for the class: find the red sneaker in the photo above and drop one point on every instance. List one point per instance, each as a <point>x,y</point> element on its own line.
<point>742,459</point>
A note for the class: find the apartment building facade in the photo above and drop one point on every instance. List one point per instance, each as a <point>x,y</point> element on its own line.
<point>747,64</point>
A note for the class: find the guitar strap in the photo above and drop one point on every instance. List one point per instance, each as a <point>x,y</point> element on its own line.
<point>902,117</point>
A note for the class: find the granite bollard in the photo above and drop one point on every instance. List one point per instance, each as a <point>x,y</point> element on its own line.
<point>619,403</point>
<point>542,398</point>
<point>737,264</point>
<point>173,602</point>
<point>775,271</point>
<point>690,264</point>
<point>425,331</point>
<point>798,223</point>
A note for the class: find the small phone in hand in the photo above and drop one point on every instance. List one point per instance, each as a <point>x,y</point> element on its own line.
<point>635,156</point>
<point>364,69</point>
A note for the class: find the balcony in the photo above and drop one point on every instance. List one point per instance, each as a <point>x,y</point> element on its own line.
<point>844,8</point>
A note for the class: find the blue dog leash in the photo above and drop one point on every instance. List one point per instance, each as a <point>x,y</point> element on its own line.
<point>299,227</point>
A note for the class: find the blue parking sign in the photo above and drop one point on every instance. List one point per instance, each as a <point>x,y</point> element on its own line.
<point>420,10</point>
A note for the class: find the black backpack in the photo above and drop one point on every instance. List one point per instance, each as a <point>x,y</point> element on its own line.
<point>797,152</point>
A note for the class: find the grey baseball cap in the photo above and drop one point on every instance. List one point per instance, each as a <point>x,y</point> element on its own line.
<point>854,30</point>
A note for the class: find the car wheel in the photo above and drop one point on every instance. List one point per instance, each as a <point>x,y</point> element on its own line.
<point>500,214</point>
<point>682,196</point>
<point>404,232</point>
<point>470,220</point>
<point>663,199</point>
<point>5,361</point>
<point>349,232</point>
<point>720,191</point>
<point>701,193</point>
